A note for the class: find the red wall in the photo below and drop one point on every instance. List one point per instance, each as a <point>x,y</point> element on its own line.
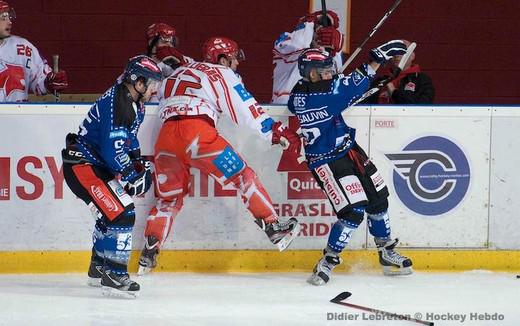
<point>469,47</point>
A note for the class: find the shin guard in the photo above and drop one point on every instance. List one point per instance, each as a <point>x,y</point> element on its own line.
<point>340,235</point>
<point>117,248</point>
<point>161,218</point>
<point>379,225</point>
<point>254,195</point>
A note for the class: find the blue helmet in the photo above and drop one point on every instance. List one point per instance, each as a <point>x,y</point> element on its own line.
<point>314,58</point>
<point>142,67</point>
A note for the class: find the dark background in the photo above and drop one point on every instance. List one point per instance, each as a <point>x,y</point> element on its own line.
<point>470,48</point>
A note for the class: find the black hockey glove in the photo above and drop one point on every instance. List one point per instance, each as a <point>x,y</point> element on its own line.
<point>142,181</point>
<point>386,51</point>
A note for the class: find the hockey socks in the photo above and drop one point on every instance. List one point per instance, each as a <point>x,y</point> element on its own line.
<point>117,248</point>
<point>379,225</point>
<point>339,237</point>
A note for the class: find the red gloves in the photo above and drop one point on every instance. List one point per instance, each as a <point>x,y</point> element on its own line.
<point>288,139</point>
<point>316,17</point>
<point>56,81</point>
<point>330,38</point>
<point>170,56</point>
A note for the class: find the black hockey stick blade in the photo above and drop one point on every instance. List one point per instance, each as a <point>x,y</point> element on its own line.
<point>518,276</point>
<point>340,297</point>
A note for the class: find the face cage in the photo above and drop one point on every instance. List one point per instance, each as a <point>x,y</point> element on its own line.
<point>173,39</point>
<point>168,39</point>
<point>329,69</point>
<point>11,15</point>
<point>238,54</point>
<point>151,83</point>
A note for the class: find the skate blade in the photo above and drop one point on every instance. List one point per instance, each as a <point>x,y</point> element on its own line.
<point>286,241</point>
<point>316,280</point>
<point>396,271</point>
<point>94,282</point>
<point>115,293</point>
<point>143,270</point>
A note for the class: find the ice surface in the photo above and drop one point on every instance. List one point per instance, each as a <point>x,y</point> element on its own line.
<point>260,299</point>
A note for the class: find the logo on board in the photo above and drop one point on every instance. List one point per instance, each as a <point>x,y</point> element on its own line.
<point>431,175</point>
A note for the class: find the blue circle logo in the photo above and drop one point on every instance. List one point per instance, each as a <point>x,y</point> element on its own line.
<point>431,175</point>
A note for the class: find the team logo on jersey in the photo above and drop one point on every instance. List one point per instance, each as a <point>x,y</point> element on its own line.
<point>242,92</point>
<point>431,175</point>
<point>12,78</point>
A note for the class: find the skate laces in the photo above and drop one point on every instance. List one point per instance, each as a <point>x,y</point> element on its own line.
<point>280,226</point>
<point>389,253</point>
<point>125,279</point>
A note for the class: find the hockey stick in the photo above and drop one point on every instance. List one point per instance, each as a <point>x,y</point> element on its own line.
<point>402,63</point>
<point>324,21</point>
<point>344,295</point>
<point>55,69</point>
<point>374,30</point>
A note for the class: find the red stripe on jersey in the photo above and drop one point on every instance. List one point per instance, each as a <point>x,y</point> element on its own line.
<point>278,53</point>
<point>217,97</point>
<point>105,200</point>
<point>228,98</point>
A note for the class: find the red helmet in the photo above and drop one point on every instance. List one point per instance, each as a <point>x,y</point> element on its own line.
<point>315,17</point>
<point>4,7</point>
<point>216,47</point>
<point>160,30</point>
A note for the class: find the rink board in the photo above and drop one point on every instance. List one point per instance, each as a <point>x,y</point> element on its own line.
<point>472,171</point>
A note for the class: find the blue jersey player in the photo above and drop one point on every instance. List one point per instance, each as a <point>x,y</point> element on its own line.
<point>340,166</point>
<point>100,159</point>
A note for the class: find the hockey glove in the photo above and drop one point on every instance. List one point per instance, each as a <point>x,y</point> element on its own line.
<point>288,139</point>
<point>385,52</point>
<point>170,56</point>
<point>56,81</point>
<point>142,181</point>
<point>330,38</point>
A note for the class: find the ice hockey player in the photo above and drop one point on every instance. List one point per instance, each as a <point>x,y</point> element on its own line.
<point>350,180</point>
<point>103,166</point>
<point>309,33</point>
<point>22,69</point>
<point>192,101</point>
<point>162,45</point>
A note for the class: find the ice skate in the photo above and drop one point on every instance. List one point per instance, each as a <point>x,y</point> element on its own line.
<point>95,272</point>
<point>148,259</point>
<point>119,285</point>
<point>323,269</point>
<point>393,263</point>
<point>281,233</point>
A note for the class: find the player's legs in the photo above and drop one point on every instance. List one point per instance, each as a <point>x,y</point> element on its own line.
<point>172,183</point>
<point>378,219</point>
<point>343,188</point>
<point>114,212</point>
<point>217,158</point>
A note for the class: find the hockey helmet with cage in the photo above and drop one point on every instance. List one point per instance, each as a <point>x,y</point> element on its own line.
<point>160,31</point>
<point>314,58</point>
<point>216,47</point>
<point>6,11</point>
<point>142,68</point>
